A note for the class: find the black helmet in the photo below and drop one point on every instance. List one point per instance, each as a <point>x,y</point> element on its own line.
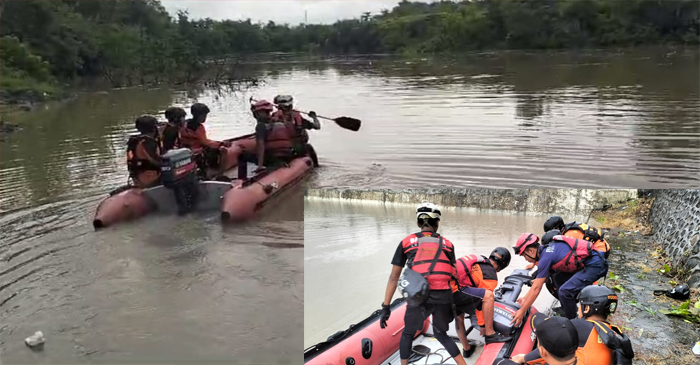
<point>547,238</point>
<point>146,124</point>
<point>601,299</point>
<point>554,222</point>
<point>501,256</point>
<point>174,113</point>
<point>199,109</point>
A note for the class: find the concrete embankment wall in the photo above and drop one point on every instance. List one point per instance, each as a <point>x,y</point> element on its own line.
<point>675,219</point>
<point>569,203</point>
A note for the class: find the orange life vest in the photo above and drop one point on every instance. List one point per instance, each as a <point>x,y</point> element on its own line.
<point>464,268</point>
<point>573,261</point>
<point>595,352</point>
<point>190,139</point>
<point>299,134</point>
<point>424,247</point>
<point>588,233</point>
<point>280,137</point>
<point>141,169</point>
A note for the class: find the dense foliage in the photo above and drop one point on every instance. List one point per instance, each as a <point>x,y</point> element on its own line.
<point>136,42</point>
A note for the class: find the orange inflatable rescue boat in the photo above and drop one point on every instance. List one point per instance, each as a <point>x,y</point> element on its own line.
<point>365,343</point>
<point>237,200</point>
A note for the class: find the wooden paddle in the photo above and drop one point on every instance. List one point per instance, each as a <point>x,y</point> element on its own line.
<point>343,122</point>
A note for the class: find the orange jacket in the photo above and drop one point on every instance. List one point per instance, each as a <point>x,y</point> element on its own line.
<point>143,161</point>
<point>196,139</point>
<point>485,277</point>
<point>591,349</point>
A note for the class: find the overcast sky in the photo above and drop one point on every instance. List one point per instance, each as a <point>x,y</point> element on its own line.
<point>279,11</point>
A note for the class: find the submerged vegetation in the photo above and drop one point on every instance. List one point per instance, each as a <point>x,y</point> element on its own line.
<point>50,43</point>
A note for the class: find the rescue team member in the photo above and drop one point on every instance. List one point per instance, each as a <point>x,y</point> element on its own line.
<point>580,231</point>
<point>287,114</point>
<point>193,135</point>
<point>171,132</point>
<point>418,251</point>
<point>557,341</point>
<point>277,141</point>
<point>587,264</point>
<point>473,292</point>
<point>600,343</point>
<point>143,153</point>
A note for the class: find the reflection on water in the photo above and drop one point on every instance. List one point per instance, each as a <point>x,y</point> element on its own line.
<point>164,289</point>
<point>602,118</point>
<point>349,247</point>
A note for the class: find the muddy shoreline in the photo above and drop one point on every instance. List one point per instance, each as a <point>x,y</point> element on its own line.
<point>636,270</point>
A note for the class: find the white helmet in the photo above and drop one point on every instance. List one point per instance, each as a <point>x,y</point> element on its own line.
<point>429,209</point>
<point>284,100</point>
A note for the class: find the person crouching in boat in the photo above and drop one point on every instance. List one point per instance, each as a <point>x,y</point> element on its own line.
<point>193,135</point>
<point>585,263</point>
<point>143,153</point>
<point>171,132</point>
<point>287,114</point>
<point>419,251</point>
<point>600,343</point>
<point>473,292</point>
<point>557,341</point>
<point>579,230</point>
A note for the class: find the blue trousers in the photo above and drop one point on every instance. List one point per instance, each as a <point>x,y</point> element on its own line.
<point>595,268</point>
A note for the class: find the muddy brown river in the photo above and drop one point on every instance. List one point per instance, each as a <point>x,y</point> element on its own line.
<point>160,290</point>
<point>621,118</point>
<point>349,247</point>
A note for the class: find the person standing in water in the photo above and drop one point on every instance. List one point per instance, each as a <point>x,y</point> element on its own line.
<point>418,251</point>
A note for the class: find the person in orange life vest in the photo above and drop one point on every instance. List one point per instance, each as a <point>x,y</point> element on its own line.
<point>143,153</point>
<point>557,256</point>
<point>286,113</point>
<point>418,251</point>
<point>557,341</point>
<point>580,231</point>
<point>575,230</point>
<point>473,292</point>
<point>171,132</point>
<point>265,140</point>
<point>600,343</point>
<point>193,135</point>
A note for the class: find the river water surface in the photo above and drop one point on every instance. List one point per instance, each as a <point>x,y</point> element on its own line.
<point>627,118</point>
<point>349,247</point>
<point>163,289</point>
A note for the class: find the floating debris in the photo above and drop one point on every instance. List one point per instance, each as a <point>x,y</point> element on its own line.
<point>35,340</point>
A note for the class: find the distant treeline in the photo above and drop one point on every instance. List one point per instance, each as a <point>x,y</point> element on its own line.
<point>137,42</point>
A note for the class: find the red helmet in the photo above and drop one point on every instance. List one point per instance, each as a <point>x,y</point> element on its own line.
<point>262,105</point>
<point>525,239</point>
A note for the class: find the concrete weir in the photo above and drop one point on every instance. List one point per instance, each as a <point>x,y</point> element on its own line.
<point>574,203</point>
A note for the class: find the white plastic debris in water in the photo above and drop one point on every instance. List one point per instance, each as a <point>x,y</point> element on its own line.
<point>696,348</point>
<point>35,340</point>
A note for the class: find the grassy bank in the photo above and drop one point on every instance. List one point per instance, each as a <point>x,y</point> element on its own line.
<point>638,266</point>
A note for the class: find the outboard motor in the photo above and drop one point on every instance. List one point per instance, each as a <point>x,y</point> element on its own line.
<point>179,173</point>
<point>505,297</point>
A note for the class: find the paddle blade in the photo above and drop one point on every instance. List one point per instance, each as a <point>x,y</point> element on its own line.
<point>348,123</point>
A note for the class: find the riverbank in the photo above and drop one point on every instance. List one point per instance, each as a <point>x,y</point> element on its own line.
<point>638,267</point>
